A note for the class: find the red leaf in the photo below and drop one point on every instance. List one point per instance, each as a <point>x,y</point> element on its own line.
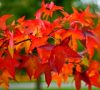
<point>59,55</point>
<point>44,52</point>
<point>86,79</point>
<point>91,45</point>
<point>70,53</point>
<point>76,34</point>
<point>3,20</point>
<point>77,78</point>
<point>47,9</point>
<point>47,29</point>
<point>57,58</point>
<point>20,20</point>
<point>48,77</point>
<point>65,42</point>
<point>93,73</point>
<point>95,80</point>
<point>37,41</point>
<point>30,63</point>
<point>46,69</point>
<point>67,70</point>
<point>82,17</point>
<point>9,64</point>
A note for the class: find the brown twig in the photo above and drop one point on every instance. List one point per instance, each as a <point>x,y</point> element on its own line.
<point>5,42</point>
<point>22,41</point>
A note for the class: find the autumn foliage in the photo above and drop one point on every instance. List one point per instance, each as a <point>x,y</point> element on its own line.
<point>58,48</point>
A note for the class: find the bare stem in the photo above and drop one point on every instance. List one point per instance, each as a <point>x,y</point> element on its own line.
<point>22,41</point>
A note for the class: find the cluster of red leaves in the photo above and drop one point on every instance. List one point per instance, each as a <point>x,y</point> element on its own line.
<point>40,46</point>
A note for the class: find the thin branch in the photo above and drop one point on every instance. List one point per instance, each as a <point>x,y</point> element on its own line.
<point>22,41</point>
<point>5,42</point>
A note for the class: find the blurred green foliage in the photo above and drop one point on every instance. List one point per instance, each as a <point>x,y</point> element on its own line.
<point>28,7</point>
<point>19,7</point>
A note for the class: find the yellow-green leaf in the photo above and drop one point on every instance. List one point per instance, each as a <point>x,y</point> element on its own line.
<point>11,50</point>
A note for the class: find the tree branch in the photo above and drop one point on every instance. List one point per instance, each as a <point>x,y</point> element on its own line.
<point>22,41</point>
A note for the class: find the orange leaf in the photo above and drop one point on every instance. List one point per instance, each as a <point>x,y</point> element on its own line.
<point>11,44</point>
<point>91,45</point>
<point>47,9</point>
<point>30,64</point>
<point>4,79</point>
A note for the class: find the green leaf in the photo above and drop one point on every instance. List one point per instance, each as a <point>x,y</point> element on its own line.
<point>51,40</point>
<point>85,61</point>
<point>80,46</point>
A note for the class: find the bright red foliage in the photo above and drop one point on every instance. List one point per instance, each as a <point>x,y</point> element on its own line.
<point>40,46</point>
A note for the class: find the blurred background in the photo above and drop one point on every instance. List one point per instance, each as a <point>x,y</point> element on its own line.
<point>28,8</point>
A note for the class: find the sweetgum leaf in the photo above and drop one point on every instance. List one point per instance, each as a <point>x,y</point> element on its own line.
<point>3,20</point>
<point>30,64</point>
<point>46,69</point>
<point>58,56</point>
<point>77,78</point>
